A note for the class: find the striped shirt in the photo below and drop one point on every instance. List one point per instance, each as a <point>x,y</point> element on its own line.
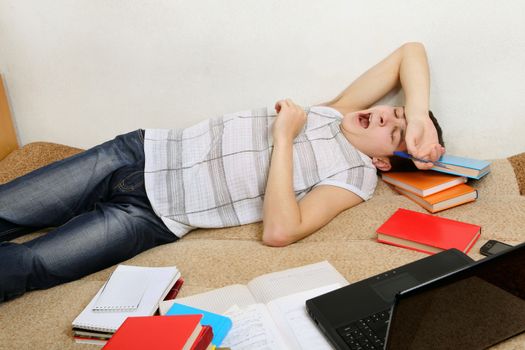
<point>214,174</point>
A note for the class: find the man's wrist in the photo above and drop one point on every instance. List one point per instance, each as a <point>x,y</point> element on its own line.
<point>416,113</point>
<point>282,141</point>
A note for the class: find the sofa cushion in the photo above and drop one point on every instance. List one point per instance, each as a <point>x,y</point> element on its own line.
<point>214,258</point>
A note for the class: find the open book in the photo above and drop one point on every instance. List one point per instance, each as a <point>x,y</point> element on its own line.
<point>269,311</point>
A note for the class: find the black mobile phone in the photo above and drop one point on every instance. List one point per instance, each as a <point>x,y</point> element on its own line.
<point>493,247</point>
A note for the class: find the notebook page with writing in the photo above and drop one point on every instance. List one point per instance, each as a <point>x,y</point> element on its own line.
<point>283,323</point>
<point>278,284</point>
<point>123,291</point>
<point>290,316</point>
<point>253,329</point>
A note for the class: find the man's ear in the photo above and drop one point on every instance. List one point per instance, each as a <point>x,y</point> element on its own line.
<point>382,163</point>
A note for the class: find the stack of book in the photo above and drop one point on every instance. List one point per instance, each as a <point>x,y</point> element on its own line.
<point>268,312</point>
<point>219,324</point>
<point>432,190</point>
<point>131,291</point>
<point>443,188</point>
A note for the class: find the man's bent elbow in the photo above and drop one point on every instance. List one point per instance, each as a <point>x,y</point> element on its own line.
<point>413,45</point>
<point>276,237</point>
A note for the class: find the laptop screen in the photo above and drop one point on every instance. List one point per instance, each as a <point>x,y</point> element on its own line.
<point>473,309</point>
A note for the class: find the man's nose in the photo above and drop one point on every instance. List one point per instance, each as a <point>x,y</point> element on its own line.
<point>384,119</point>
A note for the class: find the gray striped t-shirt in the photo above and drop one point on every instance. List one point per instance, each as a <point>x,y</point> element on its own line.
<point>213,174</point>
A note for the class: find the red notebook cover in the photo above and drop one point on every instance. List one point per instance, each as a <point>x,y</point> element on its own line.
<point>156,332</point>
<point>427,233</point>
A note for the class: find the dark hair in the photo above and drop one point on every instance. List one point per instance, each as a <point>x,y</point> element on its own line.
<point>403,164</point>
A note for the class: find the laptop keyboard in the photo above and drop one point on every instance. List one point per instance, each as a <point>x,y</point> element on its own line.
<point>367,333</point>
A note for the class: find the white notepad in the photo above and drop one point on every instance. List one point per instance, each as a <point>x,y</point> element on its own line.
<point>123,291</point>
<point>160,281</point>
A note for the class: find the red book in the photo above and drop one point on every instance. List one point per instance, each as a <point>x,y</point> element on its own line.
<point>175,289</point>
<point>427,233</point>
<point>204,339</point>
<point>157,332</point>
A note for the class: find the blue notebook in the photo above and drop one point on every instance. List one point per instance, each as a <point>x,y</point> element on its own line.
<point>469,167</point>
<point>220,324</point>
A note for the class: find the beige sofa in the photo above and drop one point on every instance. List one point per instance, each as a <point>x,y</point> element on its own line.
<point>211,259</point>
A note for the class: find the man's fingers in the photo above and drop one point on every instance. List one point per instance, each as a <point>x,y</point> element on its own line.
<point>287,102</point>
<point>436,152</point>
<point>423,166</point>
<point>411,145</point>
<point>283,103</point>
<point>433,155</point>
<point>428,152</point>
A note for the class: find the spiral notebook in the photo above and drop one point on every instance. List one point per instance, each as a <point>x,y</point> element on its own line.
<point>127,286</point>
<point>123,291</point>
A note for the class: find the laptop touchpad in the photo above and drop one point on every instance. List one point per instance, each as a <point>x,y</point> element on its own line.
<point>389,287</point>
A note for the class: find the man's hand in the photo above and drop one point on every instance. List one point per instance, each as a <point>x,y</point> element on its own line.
<point>285,220</point>
<point>422,142</point>
<point>290,120</point>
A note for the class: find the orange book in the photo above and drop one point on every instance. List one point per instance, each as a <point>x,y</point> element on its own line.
<point>422,183</point>
<point>427,233</point>
<point>157,332</point>
<point>451,197</point>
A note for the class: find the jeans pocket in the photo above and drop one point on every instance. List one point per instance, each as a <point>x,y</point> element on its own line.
<point>131,181</point>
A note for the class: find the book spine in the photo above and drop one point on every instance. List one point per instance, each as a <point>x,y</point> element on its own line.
<point>175,289</point>
<point>204,339</point>
<point>90,340</point>
<point>473,241</point>
<point>91,327</point>
<point>404,246</point>
<point>453,205</point>
<point>420,202</point>
<point>452,172</point>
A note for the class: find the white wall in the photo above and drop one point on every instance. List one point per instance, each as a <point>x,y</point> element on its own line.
<point>81,71</point>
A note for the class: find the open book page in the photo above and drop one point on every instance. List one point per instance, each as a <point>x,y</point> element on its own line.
<point>253,329</point>
<point>278,284</point>
<point>290,316</point>
<point>263,288</point>
<point>283,323</point>
<point>217,300</point>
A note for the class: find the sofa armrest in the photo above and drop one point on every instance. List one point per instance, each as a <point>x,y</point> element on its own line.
<point>8,141</point>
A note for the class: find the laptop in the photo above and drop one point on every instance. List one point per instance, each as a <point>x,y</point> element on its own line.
<point>473,305</point>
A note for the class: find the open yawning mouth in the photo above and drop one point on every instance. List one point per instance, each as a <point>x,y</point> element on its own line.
<point>364,119</point>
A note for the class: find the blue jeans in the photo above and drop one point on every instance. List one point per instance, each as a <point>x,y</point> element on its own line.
<point>97,205</point>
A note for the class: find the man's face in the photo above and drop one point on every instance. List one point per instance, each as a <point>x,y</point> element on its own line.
<point>377,131</point>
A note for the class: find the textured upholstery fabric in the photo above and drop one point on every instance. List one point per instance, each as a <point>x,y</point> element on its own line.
<point>214,258</point>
